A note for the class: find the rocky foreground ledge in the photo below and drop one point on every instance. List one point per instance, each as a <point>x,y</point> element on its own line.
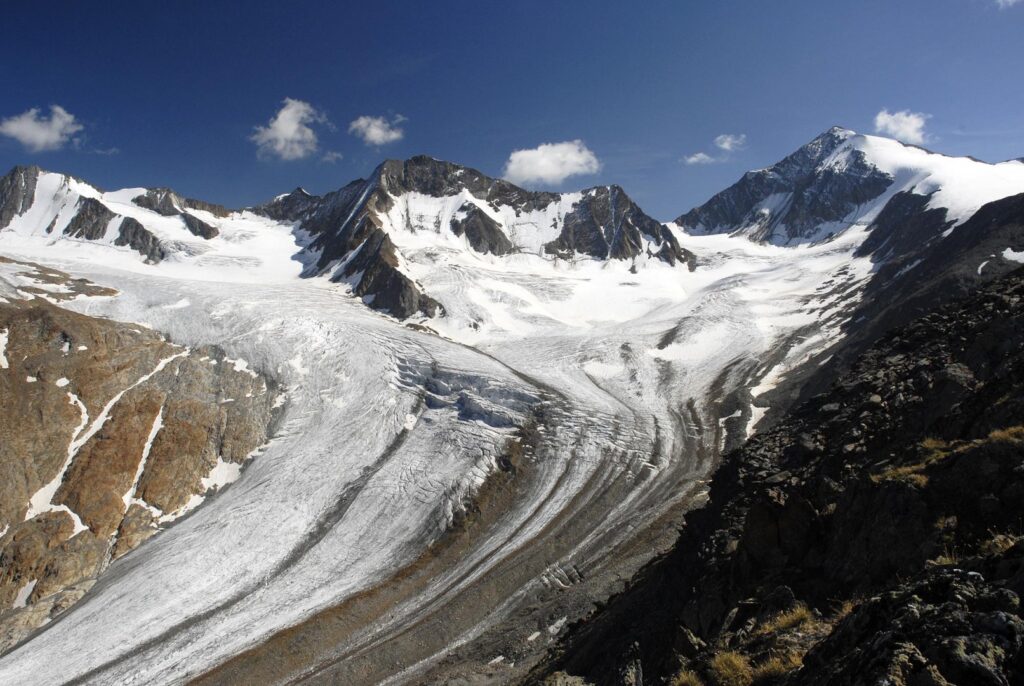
<point>108,433</point>
<point>872,537</point>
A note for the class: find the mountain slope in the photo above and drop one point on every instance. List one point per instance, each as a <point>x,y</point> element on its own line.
<point>862,499</point>
<point>842,180</point>
<point>365,232</point>
<point>148,221</point>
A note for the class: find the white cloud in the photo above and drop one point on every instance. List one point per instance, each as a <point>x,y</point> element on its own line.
<point>332,156</point>
<point>1003,4</point>
<point>377,130</point>
<point>289,135</point>
<point>551,163</point>
<point>699,158</point>
<point>905,125</point>
<point>41,133</point>
<point>730,142</point>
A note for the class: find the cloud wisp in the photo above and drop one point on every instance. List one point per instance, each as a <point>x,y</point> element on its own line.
<point>377,131</point>
<point>39,133</point>
<point>904,125</point>
<point>289,134</point>
<point>699,158</point>
<point>728,143</point>
<point>1004,4</point>
<point>731,141</point>
<point>551,163</point>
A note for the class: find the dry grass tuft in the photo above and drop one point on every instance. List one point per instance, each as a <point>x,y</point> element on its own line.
<point>790,619</point>
<point>778,665</point>
<point>845,609</point>
<point>910,474</point>
<point>686,677</point>
<point>1011,434</point>
<point>730,668</point>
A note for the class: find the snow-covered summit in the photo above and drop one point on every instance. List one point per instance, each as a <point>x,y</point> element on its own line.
<point>133,226</point>
<point>843,179</point>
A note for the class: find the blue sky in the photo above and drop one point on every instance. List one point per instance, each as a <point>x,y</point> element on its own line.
<point>171,94</point>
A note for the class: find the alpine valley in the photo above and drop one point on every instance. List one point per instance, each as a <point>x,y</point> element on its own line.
<point>433,427</point>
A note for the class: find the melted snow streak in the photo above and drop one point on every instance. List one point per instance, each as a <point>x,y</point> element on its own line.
<point>3,349</point>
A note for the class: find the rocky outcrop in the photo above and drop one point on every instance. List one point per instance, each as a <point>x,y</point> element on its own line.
<point>197,227</point>
<point>949,626</point>
<point>93,219</point>
<point>166,202</point>
<point>90,221</point>
<point>17,191</point>
<point>873,534</point>
<point>377,279</point>
<point>789,201</point>
<point>483,233</point>
<point>108,432</point>
<point>137,237</point>
<point>607,224</point>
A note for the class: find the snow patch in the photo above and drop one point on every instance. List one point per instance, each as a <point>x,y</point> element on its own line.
<point>557,626</point>
<point>222,474</point>
<point>130,494</point>
<point>241,366</point>
<point>21,600</point>
<point>1013,255</point>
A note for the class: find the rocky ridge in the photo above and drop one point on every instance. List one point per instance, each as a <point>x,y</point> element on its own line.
<point>352,235</point>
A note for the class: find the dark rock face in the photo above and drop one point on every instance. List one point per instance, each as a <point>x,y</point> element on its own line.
<point>950,626</point>
<point>90,221</point>
<point>160,200</point>
<point>290,207</point>
<point>483,233</point>
<point>436,178</point>
<point>197,227</point>
<point>17,192</point>
<point>380,281</point>
<point>606,224</point>
<point>168,203</point>
<point>902,485</point>
<point>811,195</point>
<point>139,238</point>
